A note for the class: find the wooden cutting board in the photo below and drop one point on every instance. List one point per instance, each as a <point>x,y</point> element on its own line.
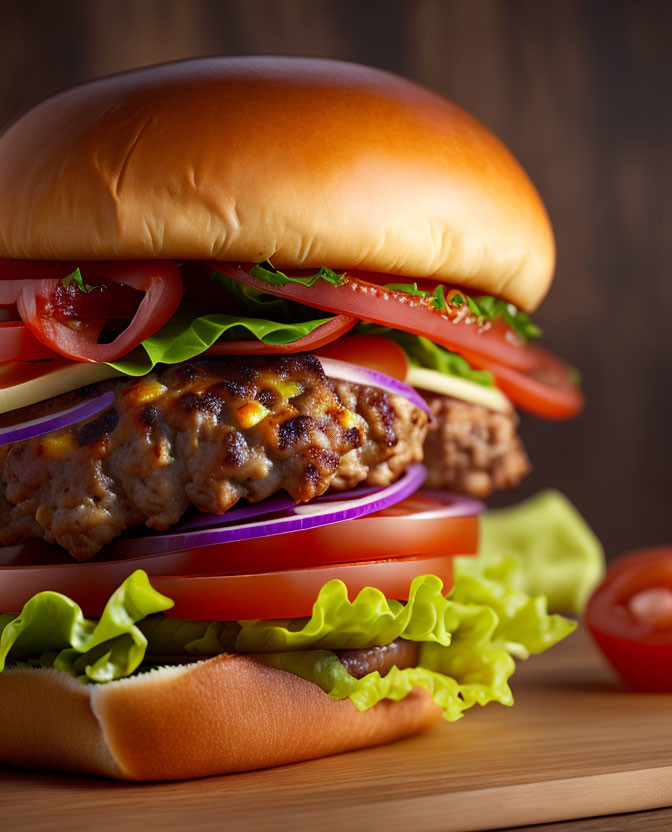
<point>574,745</point>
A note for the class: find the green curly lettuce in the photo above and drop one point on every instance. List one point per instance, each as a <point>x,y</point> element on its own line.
<point>559,555</point>
<point>467,645</point>
<point>52,631</point>
<point>468,640</point>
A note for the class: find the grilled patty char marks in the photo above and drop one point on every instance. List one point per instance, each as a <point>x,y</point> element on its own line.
<point>206,432</point>
<point>472,450</point>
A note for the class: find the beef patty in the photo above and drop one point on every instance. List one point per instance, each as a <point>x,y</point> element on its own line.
<point>472,450</point>
<point>207,432</point>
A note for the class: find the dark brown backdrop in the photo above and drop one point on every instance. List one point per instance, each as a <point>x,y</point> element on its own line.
<point>580,91</point>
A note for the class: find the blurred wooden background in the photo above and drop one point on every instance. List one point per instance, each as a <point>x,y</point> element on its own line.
<point>578,89</point>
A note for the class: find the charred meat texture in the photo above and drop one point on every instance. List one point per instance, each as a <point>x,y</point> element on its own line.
<point>472,450</point>
<point>207,433</point>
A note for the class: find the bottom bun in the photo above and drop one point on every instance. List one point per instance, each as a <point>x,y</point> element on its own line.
<point>230,713</point>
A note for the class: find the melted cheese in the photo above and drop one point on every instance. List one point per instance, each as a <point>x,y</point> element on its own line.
<point>458,388</point>
<point>47,381</point>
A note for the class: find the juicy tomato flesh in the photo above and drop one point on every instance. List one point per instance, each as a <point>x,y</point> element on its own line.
<point>630,618</point>
<point>159,281</point>
<point>548,390</point>
<point>102,300</point>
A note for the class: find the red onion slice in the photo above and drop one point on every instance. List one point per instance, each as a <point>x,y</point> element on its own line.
<point>361,375</point>
<point>295,518</point>
<point>55,421</point>
<point>271,505</point>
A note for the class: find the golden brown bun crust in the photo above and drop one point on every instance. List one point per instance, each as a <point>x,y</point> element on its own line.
<point>222,715</point>
<point>309,162</point>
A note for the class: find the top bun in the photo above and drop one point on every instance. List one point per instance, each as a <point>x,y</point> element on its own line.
<point>306,162</point>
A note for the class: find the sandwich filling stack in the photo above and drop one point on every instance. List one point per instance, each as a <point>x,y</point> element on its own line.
<point>265,332</point>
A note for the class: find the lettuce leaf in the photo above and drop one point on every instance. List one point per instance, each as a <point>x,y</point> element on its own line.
<point>425,353</point>
<point>463,664</point>
<point>559,555</point>
<point>454,686</point>
<point>52,631</point>
<point>267,272</point>
<point>183,338</point>
<point>468,640</point>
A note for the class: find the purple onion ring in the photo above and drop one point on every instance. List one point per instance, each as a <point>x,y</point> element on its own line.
<point>55,421</point>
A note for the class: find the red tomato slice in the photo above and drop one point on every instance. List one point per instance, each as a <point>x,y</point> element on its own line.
<point>413,527</point>
<point>547,390</point>
<point>160,281</point>
<point>324,334</point>
<point>291,593</point>
<point>371,351</point>
<point>372,302</point>
<point>17,343</point>
<point>630,618</point>
<point>286,593</point>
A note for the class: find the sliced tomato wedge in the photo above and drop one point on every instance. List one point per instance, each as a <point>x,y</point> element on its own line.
<point>371,351</point>
<point>324,334</point>
<point>372,302</point>
<point>548,390</point>
<point>630,618</point>
<point>160,281</point>
<point>17,343</point>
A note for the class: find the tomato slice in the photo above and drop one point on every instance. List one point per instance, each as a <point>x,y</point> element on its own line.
<point>15,273</point>
<point>413,531</point>
<point>372,302</point>
<point>160,281</point>
<point>630,618</point>
<point>371,351</point>
<point>291,593</point>
<point>284,593</point>
<point>324,334</point>
<point>548,390</point>
<point>17,343</point>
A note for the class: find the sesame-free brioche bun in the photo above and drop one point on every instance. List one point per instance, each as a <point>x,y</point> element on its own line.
<point>217,716</point>
<point>303,161</point>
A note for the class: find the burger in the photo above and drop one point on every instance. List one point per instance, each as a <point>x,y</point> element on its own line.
<point>265,327</point>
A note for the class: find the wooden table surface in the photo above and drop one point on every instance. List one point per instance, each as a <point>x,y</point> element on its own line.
<point>565,745</point>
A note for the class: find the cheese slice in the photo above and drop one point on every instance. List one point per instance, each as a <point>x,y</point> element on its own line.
<point>458,388</point>
<point>36,382</point>
<point>30,383</point>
